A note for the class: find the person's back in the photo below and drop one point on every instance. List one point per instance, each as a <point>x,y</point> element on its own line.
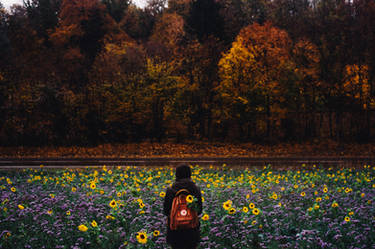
<point>182,238</point>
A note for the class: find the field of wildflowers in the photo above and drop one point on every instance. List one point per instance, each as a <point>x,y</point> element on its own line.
<point>122,208</point>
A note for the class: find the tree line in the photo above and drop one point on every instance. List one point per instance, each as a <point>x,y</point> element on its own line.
<point>106,71</point>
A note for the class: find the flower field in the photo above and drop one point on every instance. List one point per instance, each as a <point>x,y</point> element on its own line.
<point>122,208</point>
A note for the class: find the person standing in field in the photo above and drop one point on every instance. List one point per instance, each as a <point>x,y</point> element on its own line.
<point>182,193</point>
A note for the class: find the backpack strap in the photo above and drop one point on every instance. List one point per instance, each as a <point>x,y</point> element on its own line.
<point>182,190</point>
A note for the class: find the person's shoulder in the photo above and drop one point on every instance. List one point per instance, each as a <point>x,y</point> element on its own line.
<point>193,185</point>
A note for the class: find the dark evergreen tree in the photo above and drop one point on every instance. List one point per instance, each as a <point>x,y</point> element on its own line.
<point>4,41</point>
<point>204,19</point>
<point>117,8</point>
<point>43,15</point>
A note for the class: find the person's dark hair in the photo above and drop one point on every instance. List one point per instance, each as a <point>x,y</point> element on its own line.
<point>183,171</point>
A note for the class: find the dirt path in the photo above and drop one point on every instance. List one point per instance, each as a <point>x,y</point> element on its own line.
<point>243,162</point>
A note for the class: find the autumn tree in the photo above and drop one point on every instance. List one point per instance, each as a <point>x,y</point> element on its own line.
<point>133,100</point>
<point>356,88</point>
<point>167,36</point>
<point>308,92</point>
<point>195,100</point>
<point>356,84</point>
<point>363,35</point>
<point>30,58</point>
<point>255,74</point>
<point>113,92</point>
<point>201,51</point>
<point>197,65</point>
<point>161,84</point>
<point>79,37</point>
<point>102,71</point>
<point>335,53</point>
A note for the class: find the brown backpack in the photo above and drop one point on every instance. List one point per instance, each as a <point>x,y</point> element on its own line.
<point>181,216</point>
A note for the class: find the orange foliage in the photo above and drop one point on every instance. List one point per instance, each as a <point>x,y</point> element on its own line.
<point>169,30</point>
<point>196,149</point>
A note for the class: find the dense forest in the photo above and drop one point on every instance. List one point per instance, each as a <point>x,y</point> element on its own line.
<point>106,71</point>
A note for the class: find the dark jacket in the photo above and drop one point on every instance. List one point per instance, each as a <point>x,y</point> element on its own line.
<point>188,238</point>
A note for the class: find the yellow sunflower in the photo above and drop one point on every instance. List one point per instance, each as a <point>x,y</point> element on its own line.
<point>112,204</point>
<point>189,198</point>
<point>227,205</point>
<point>156,233</point>
<point>205,217</point>
<point>232,210</point>
<point>93,185</point>
<point>94,224</point>
<point>110,217</point>
<point>256,211</point>
<point>82,228</point>
<point>142,237</point>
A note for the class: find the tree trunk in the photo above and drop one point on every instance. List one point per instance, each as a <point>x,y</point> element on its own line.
<point>330,124</point>
<point>338,126</point>
<point>268,111</point>
<point>157,119</point>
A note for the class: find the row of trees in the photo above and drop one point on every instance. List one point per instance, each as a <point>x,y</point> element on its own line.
<point>95,71</point>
